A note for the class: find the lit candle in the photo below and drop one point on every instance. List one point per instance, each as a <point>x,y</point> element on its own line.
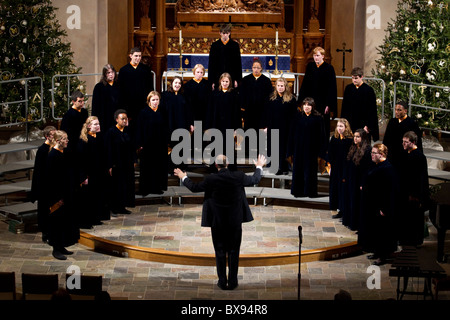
<point>181,41</point>
<point>276,38</point>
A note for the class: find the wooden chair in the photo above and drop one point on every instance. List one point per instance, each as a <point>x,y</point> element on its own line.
<point>39,286</point>
<point>7,286</point>
<point>91,287</point>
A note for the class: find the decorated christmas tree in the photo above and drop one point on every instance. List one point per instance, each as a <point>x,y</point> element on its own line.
<point>416,49</point>
<point>33,44</point>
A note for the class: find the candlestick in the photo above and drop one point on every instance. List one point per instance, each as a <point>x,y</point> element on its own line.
<point>276,60</point>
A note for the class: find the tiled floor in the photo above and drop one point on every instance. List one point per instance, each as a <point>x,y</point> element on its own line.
<point>178,228</point>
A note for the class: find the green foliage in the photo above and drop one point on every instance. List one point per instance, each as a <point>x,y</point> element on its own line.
<point>33,44</point>
<point>416,49</point>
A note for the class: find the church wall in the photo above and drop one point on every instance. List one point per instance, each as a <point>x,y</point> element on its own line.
<point>97,31</point>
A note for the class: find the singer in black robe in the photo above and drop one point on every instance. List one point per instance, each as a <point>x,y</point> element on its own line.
<point>120,157</point>
<point>63,229</point>
<point>393,138</point>
<point>279,115</point>
<point>152,141</point>
<point>337,156</point>
<point>178,111</point>
<point>415,196</point>
<point>92,166</point>
<point>357,166</point>
<point>377,232</point>
<point>359,107</point>
<point>224,113</point>
<point>72,123</point>
<point>319,83</point>
<point>224,58</point>
<point>254,93</point>
<point>197,95</point>
<point>38,188</point>
<point>105,101</point>
<point>307,143</point>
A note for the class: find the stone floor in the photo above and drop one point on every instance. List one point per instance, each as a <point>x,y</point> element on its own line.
<point>177,228</point>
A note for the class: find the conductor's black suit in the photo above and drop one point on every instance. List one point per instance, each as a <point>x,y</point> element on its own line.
<point>225,208</point>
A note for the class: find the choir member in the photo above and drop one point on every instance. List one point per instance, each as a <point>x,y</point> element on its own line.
<point>224,56</point>
<point>279,113</point>
<point>197,92</point>
<point>414,188</point>
<point>224,111</point>
<point>73,121</point>
<point>60,192</point>
<point>254,92</point>
<point>359,105</point>
<point>120,160</point>
<point>395,130</point>
<point>358,165</point>
<point>105,97</point>
<point>307,142</point>
<point>152,141</point>
<point>178,113</point>
<point>338,149</point>
<point>379,199</point>
<point>93,174</point>
<point>319,83</point>
<point>38,181</point>
<point>135,82</point>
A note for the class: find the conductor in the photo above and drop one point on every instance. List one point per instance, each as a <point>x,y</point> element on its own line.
<point>225,208</point>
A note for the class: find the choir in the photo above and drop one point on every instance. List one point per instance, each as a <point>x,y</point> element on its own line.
<point>90,164</point>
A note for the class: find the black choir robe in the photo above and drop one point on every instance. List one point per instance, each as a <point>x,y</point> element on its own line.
<point>254,93</point>
<point>120,156</point>
<point>377,233</point>
<point>337,156</point>
<point>135,84</point>
<point>105,101</point>
<point>279,115</point>
<point>307,142</point>
<point>197,95</point>
<point>71,123</point>
<point>63,228</point>
<point>415,197</point>
<point>319,83</point>
<point>152,136</point>
<point>393,139</point>
<point>224,113</point>
<point>359,107</point>
<point>178,112</point>
<point>224,58</point>
<point>92,166</point>
<point>38,187</point>
<point>355,176</point>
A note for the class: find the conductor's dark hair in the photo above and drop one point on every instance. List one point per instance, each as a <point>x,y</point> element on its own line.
<point>119,111</point>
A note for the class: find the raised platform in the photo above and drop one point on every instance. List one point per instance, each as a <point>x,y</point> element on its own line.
<point>172,234</point>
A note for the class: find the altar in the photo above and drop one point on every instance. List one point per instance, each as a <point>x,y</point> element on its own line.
<point>187,75</point>
<point>188,61</point>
